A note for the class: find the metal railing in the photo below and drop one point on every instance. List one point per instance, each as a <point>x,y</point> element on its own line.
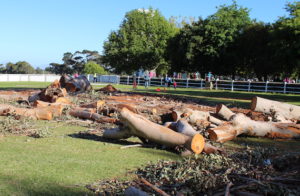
<point>268,87</point>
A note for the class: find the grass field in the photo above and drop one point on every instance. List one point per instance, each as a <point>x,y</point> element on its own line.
<point>61,164</point>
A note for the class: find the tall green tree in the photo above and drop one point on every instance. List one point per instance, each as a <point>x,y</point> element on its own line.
<point>91,67</point>
<point>140,42</point>
<point>287,41</point>
<point>2,68</point>
<point>74,62</point>
<point>203,45</point>
<point>21,67</point>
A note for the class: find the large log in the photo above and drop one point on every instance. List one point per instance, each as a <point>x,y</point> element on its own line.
<point>142,127</point>
<point>241,124</point>
<point>55,108</point>
<point>224,112</point>
<point>92,116</point>
<point>97,104</point>
<point>182,126</point>
<point>79,84</point>
<point>35,113</point>
<point>281,111</point>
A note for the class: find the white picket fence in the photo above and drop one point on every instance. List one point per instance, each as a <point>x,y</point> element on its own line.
<point>28,77</point>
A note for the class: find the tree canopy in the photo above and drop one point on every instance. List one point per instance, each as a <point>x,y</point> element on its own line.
<point>74,62</point>
<point>230,43</point>
<point>21,67</point>
<point>91,67</point>
<point>140,42</point>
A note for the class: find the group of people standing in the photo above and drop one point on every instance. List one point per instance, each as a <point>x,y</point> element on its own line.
<point>168,81</point>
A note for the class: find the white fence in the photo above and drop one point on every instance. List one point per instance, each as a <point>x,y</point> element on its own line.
<point>268,87</point>
<point>104,78</point>
<point>28,77</point>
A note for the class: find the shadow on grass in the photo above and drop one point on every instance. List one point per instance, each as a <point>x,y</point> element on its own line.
<point>35,187</point>
<point>284,145</point>
<point>147,145</point>
<point>90,136</point>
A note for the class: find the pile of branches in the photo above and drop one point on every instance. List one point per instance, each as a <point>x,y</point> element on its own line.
<point>24,126</point>
<point>250,171</point>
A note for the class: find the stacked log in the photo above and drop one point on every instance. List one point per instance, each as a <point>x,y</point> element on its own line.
<point>240,124</point>
<point>282,112</point>
<point>137,125</point>
<point>33,113</point>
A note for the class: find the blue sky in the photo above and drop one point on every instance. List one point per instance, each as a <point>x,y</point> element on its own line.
<point>40,31</point>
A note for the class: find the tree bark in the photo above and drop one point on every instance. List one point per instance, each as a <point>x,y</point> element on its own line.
<point>224,112</point>
<point>182,126</point>
<point>79,84</point>
<point>92,116</point>
<point>142,127</point>
<point>98,104</point>
<point>281,111</point>
<point>241,124</point>
<point>215,120</point>
<point>35,113</point>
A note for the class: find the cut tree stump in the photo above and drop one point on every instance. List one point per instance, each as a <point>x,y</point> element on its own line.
<point>224,112</point>
<point>79,84</point>
<point>280,111</point>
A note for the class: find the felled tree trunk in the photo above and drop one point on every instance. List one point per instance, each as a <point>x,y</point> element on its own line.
<point>281,111</point>
<point>92,116</point>
<point>97,104</point>
<point>215,120</point>
<point>241,124</point>
<point>35,113</point>
<point>55,108</point>
<point>49,94</point>
<point>142,127</point>
<point>79,84</point>
<point>182,126</point>
<point>224,112</point>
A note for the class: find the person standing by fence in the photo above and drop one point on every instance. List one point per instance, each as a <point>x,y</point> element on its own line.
<point>95,77</point>
<point>146,79</point>
<point>174,83</point>
<point>134,81</point>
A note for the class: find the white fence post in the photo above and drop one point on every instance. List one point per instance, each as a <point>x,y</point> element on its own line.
<point>161,81</point>
<point>201,84</point>
<point>187,83</point>
<point>232,85</point>
<point>266,87</point>
<point>284,88</point>
<point>249,86</point>
<point>127,80</point>
<point>217,83</point>
<point>138,81</point>
<point>149,81</point>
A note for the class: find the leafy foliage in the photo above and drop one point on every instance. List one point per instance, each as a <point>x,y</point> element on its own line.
<point>203,44</point>
<point>140,42</point>
<point>92,67</point>
<point>21,67</point>
<point>74,63</point>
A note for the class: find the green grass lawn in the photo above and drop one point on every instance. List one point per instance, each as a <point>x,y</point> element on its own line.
<point>20,85</point>
<point>63,165</point>
<point>213,97</point>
